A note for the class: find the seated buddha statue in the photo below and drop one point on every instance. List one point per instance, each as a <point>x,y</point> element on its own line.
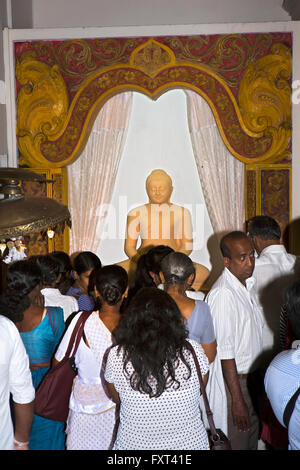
<point>160,222</point>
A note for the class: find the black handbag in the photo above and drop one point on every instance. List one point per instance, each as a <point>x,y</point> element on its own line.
<point>217,439</point>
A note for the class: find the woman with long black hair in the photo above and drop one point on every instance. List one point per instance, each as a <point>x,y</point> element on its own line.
<point>152,374</point>
<point>177,273</point>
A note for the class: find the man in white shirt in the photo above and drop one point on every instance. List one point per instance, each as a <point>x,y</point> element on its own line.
<point>50,277</point>
<point>273,272</point>
<point>15,379</point>
<point>238,326</point>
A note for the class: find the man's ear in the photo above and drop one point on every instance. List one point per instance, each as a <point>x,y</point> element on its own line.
<point>75,275</point>
<point>226,261</point>
<point>152,274</point>
<point>190,280</point>
<point>258,244</point>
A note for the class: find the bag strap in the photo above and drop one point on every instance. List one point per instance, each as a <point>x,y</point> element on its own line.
<point>290,408</point>
<point>209,413</point>
<point>77,333</point>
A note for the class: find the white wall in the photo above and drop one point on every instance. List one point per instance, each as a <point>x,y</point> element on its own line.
<point>3,133</point>
<point>158,137</point>
<point>98,13</point>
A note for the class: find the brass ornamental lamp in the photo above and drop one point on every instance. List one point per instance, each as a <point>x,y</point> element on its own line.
<point>20,216</point>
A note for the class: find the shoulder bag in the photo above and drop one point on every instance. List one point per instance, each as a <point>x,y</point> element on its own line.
<point>217,439</point>
<point>53,394</point>
<point>290,408</point>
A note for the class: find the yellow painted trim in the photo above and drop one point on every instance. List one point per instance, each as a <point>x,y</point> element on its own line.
<point>258,192</point>
<point>245,195</point>
<point>279,136</point>
<point>66,202</point>
<point>64,174</point>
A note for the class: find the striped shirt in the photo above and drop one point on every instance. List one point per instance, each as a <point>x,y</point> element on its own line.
<point>282,380</point>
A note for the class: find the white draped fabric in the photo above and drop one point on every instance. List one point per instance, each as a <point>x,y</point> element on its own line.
<point>222,180</point>
<point>221,174</point>
<point>92,176</point>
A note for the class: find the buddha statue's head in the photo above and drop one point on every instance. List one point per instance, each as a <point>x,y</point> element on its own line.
<point>159,187</point>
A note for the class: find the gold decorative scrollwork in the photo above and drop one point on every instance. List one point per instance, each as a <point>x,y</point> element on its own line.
<point>42,107</point>
<point>226,55</point>
<point>152,57</point>
<point>62,85</point>
<point>265,100</point>
<point>257,125</point>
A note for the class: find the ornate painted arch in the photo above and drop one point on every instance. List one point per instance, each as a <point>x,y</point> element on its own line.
<point>245,78</point>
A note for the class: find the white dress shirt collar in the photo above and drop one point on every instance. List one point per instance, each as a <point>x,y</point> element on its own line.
<point>50,290</point>
<point>250,282</point>
<point>273,249</point>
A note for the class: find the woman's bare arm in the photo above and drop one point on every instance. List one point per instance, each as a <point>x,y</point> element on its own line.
<point>112,392</point>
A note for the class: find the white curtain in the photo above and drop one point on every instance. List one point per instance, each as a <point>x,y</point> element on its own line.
<point>221,174</point>
<point>92,176</point>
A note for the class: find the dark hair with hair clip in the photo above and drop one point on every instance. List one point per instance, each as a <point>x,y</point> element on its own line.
<point>111,282</point>
<point>177,268</point>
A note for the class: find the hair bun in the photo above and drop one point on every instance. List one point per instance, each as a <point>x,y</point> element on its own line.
<point>111,294</point>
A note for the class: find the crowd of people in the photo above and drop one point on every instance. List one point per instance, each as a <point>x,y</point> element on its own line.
<point>137,385</point>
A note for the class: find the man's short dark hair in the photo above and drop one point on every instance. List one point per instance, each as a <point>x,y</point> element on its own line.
<point>264,227</point>
<point>236,235</point>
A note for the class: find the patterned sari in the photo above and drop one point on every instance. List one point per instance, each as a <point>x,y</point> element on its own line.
<point>40,344</point>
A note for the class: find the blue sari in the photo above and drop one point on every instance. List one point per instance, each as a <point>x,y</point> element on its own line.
<point>40,344</point>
